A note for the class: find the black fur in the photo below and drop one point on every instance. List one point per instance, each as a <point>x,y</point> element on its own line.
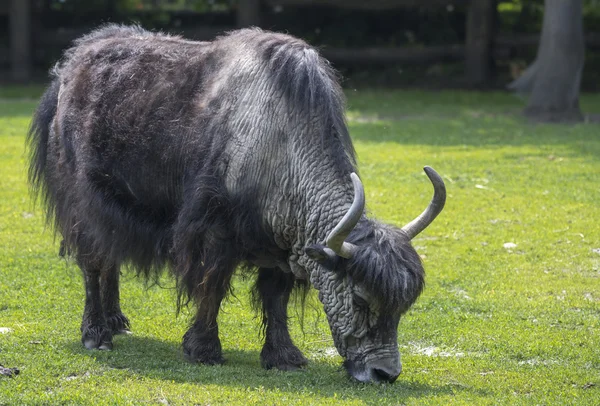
<point>37,139</point>
<point>385,263</point>
<point>382,248</point>
<point>272,291</point>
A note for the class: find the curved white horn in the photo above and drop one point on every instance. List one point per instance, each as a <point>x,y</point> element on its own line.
<point>435,206</point>
<point>336,238</point>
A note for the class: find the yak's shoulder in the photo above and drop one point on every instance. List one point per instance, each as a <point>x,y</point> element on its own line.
<point>286,57</point>
<point>265,42</point>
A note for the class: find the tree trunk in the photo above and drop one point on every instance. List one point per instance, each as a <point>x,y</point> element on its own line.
<point>20,40</point>
<point>553,80</point>
<point>480,34</point>
<point>248,13</point>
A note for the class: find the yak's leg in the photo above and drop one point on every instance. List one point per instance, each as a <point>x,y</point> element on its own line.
<point>274,288</point>
<point>201,342</point>
<point>109,292</point>
<point>95,333</point>
<point>205,263</point>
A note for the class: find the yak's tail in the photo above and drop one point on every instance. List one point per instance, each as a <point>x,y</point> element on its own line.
<point>37,141</point>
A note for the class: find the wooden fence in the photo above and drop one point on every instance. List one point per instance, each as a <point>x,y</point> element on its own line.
<point>480,48</point>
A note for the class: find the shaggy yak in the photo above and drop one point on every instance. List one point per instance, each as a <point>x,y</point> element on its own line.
<point>159,152</point>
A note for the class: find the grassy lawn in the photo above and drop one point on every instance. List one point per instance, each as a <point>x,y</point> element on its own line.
<point>497,324</point>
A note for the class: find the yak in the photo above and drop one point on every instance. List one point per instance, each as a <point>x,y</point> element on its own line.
<point>156,152</point>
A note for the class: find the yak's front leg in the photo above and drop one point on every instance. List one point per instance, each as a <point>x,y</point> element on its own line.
<point>109,292</point>
<point>201,342</point>
<point>274,288</point>
<point>95,333</point>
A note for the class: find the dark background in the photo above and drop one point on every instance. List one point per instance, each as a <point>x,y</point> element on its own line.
<point>398,43</point>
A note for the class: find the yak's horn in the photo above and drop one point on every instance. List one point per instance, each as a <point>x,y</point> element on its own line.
<point>435,206</point>
<point>336,238</point>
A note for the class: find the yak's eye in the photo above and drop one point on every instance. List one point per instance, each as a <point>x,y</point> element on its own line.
<point>360,302</point>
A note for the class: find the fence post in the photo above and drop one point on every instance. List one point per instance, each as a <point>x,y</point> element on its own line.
<point>480,34</point>
<point>20,39</point>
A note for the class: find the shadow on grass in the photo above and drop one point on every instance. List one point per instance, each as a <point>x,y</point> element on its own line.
<point>17,108</point>
<point>157,359</point>
<point>578,140</point>
<point>466,129</point>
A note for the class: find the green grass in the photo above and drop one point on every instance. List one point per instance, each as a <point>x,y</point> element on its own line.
<point>494,325</point>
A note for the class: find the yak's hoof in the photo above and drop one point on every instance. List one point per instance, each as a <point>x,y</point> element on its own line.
<point>284,358</point>
<point>202,350</point>
<point>204,355</point>
<point>97,338</point>
<point>201,356</point>
<point>118,323</point>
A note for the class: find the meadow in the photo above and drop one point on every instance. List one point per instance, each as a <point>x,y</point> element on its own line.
<point>510,313</point>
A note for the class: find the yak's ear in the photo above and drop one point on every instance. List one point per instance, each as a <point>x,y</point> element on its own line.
<point>321,254</point>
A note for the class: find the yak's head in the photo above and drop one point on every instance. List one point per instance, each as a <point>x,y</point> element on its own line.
<point>368,276</point>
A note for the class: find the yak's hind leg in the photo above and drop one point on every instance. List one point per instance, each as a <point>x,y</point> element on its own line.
<point>95,332</point>
<point>273,288</point>
<point>109,292</point>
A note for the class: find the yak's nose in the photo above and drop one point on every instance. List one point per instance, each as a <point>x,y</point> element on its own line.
<point>386,374</point>
<point>381,371</point>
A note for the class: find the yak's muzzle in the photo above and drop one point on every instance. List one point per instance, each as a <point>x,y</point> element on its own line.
<point>382,370</point>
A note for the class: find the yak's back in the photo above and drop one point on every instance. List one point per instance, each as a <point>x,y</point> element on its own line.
<point>211,71</point>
